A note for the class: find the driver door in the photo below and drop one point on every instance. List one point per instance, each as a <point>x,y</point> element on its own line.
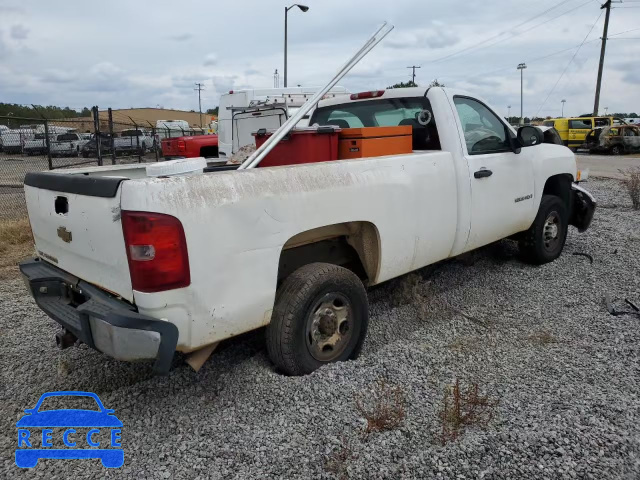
<point>502,184</point>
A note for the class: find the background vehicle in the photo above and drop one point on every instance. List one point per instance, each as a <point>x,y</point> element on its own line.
<point>37,145</point>
<point>197,146</point>
<point>616,140</point>
<point>3,128</point>
<point>185,262</point>
<point>67,144</point>
<point>89,148</point>
<point>243,112</point>
<point>13,141</point>
<point>133,141</point>
<point>574,130</point>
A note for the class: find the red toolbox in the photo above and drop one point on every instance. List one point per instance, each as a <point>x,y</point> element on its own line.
<point>301,145</point>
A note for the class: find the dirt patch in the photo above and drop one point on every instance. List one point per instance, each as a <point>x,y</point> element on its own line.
<point>16,244</point>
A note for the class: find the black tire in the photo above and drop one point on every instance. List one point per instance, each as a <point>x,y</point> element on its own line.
<point>617,150</point>
<point>545,239</point>
<point>321,315</point>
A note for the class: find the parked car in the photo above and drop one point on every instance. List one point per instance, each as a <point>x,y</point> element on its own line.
<point>574,130</point>
<point>37,145</point>
<point>198,146</point>
<point>13,140</point>
<point>133,142</point>
<point>3,128</point>
<point>185,262</point>
<point>616,140</point>
<point>67,144</point>
<point>89,148</point>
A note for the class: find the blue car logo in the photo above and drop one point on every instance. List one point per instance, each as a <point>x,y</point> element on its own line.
<point>34,444</point>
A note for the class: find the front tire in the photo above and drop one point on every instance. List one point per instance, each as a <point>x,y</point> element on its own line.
<point>617,150</point>
<point>545,239</point>
<point>320,316</point>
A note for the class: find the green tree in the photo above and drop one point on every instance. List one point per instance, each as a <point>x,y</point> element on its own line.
<point>212,111</point>
<point>436,83</point>
<point>408,84</point>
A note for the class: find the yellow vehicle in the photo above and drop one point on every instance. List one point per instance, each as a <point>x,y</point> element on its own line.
<point>574,130</point>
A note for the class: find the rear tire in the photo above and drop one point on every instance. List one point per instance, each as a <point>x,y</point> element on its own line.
<point>545,239</point>
<point>320,316</point>
<point>617,150</point>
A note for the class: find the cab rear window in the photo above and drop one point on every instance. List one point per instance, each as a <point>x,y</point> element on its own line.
<point>415,112</point>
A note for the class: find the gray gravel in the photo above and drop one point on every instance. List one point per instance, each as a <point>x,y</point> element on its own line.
<point>565,372</point>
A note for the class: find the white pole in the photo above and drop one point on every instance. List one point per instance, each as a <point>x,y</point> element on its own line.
<point>257,156</point>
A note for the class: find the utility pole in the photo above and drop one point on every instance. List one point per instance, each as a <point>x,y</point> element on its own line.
<point>199,88</point>
<point>563,101</point>
<point>521,67</point>
<point>413,74</point>
<point>509,113</point>
<point>596,104</point>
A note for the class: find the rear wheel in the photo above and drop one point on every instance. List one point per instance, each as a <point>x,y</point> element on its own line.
<point>617,150</point>
<point>320,316</point>
<point>545,239</point>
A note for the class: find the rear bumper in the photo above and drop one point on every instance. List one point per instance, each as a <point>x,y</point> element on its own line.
<point>98,319</point>
<point>583,207</point>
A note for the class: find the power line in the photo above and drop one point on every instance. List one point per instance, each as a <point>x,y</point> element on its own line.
<point>570,61</point>
<point>479,45</point>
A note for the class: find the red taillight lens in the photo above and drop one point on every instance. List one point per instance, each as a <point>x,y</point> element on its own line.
<point>182,146</point>
<point>363,95</point>
<point>156,250</point>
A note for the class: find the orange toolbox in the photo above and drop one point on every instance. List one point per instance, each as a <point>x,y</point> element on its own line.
<point>374,141</point>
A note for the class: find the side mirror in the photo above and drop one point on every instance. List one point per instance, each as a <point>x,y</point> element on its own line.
<point>529,136</point>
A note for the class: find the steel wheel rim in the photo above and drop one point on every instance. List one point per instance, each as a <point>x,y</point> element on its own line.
<point>551,231</point>
<point>329,327</point>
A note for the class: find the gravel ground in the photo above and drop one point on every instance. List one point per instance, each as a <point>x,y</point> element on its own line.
<point>538,340</point>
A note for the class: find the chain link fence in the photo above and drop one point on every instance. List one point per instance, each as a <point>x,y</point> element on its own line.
<point>38,144</point>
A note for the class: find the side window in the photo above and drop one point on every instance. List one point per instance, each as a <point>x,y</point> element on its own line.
<point>344,119</point>
<point>580,124</point>
<point>483,130</point>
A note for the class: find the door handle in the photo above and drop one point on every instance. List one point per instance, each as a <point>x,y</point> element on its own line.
<point>483,173</point>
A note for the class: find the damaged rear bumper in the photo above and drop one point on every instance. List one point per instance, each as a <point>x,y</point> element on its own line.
<point>583,206</point>
<point>98,319</point>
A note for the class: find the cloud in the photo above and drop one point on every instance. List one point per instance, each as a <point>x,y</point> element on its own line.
<point>436,36</point>
<point>181,37</point>
<point>19,32</point>
<point>54,75</point>
<point>210,60</point>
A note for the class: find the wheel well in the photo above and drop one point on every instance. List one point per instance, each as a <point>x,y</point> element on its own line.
<point>209,151</point>
<point>353,245</point>
<point>560,186</point>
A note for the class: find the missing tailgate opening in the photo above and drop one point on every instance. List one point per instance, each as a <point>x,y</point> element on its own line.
<point>61,205</point>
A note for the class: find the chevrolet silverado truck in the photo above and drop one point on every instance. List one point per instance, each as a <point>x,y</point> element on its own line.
<point>139,266</point>
<point>190,147</point>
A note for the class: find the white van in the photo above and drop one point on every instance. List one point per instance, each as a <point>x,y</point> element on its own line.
<point>243,112</point>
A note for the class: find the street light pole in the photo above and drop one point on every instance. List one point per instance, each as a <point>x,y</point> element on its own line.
<point>509,113</point>
<point>303,8</point>
<point>521,67</point>
<point>563,102</point>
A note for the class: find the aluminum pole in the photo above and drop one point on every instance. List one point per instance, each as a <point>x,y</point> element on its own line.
<point>257,156</point>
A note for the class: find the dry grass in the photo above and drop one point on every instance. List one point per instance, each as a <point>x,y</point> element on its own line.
<point>632,182</point>
<point>16,244</point>
<point>337,462</point>
<point>382,406</point>
<point>542,338</point>
<point>463,408</point>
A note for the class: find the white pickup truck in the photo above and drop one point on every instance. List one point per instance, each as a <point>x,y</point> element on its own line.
<point>141,267</point>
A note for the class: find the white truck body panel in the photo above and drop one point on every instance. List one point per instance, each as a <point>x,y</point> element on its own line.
<point>424,207</point>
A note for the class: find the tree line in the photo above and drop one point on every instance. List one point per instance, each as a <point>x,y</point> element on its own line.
<point>40,111</point>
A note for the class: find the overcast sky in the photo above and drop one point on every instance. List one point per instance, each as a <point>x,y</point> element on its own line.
<point>123,53</point>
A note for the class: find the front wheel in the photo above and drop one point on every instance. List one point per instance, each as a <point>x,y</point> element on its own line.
<point>545,239</point>
<point>320,316</point>
<point>617,150</point>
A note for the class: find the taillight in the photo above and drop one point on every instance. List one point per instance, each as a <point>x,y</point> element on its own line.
<point>362,95</point>
<point>156,250</point>
<point>182,146</point>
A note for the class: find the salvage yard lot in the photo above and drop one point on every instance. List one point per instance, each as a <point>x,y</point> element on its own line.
<point>562,373</point>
